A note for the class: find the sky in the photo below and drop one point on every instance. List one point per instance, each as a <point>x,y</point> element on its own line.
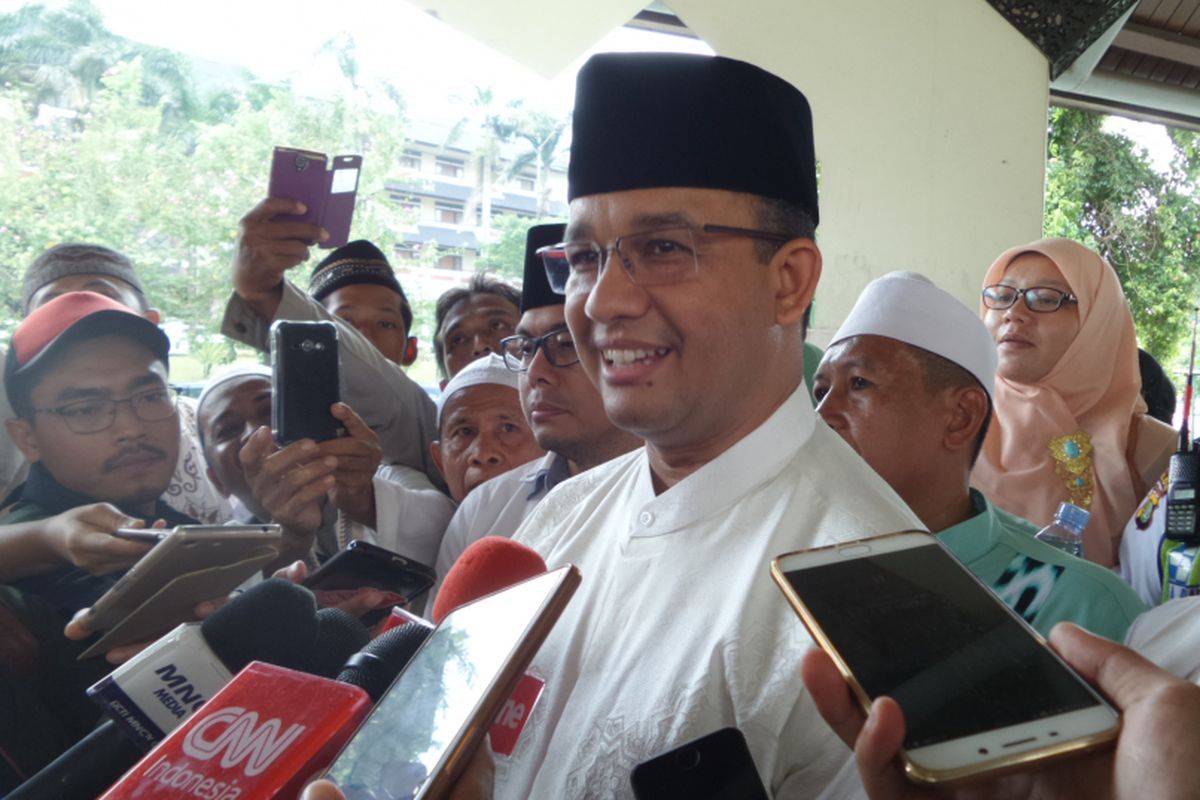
<point>398,41</point>
<point>395,40</point>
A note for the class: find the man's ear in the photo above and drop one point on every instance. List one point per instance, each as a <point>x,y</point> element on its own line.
<point>410,352</point>
<point>967,408</point>
<point>435,450</point>
<point>22,434</point>
<point>796,269</point>
<point>153,315</point>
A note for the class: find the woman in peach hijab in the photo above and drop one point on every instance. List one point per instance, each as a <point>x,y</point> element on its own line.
<point>1070,423</point>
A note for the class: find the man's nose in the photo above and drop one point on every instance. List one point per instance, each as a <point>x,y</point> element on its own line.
<point>615,295</point>
<point>486,450</point>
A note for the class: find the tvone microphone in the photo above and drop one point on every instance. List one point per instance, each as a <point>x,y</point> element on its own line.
<point>487,565</point>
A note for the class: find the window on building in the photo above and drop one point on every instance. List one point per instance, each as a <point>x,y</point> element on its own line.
<point>411,160</point>
<point>409,205</point>
<point>408,251</point>
<point>525,184</point>
<point>450,262</point>
<point>449,214</point>
<point>448,168</point>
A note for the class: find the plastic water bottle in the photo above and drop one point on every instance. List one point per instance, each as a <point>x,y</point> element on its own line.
<point>1066,532</point>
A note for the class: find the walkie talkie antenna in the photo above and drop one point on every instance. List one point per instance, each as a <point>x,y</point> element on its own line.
<point>1185,438</point>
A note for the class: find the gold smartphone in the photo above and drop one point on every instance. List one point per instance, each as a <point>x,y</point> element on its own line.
<point>424,731</point>
<point>981,691</point>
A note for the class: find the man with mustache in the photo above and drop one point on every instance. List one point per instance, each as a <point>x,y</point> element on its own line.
<point>96,419</point>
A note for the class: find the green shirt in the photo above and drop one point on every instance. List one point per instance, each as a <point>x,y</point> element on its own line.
<point>1041,583</point>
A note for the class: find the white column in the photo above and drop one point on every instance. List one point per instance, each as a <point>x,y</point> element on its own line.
<point>930,120</point>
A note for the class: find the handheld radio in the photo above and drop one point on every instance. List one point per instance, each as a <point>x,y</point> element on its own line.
<point>1182,504</point>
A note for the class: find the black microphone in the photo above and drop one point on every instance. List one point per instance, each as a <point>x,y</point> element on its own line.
<point>275,621</point>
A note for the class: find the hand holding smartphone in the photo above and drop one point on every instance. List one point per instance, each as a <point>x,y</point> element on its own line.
<point>980,690</point>
<point>189,564</point>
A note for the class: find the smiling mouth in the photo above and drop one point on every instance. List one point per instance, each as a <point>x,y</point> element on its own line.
<point>624,358</point>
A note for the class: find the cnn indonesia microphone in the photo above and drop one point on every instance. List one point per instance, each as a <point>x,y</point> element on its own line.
<point>271,729</point>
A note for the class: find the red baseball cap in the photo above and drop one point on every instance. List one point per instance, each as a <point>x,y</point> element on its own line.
<point>73,317</point>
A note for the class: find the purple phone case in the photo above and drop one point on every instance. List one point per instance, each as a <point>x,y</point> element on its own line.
<point>339,205</point>
<point>329,194</point>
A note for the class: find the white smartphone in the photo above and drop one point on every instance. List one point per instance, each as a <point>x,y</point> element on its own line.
<point>980,690</point>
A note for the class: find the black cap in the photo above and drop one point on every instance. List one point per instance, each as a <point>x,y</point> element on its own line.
<point>651,120</point>
<point>536,291</point>
<point>356,262</point>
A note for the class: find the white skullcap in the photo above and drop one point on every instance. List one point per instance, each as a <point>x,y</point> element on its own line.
<point>485,369</point>
<point>231,373</point>
<point>908,307</point>
<point>227,375</point>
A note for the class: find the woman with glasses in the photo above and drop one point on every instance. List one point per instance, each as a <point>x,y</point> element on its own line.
<point>1069,422</point>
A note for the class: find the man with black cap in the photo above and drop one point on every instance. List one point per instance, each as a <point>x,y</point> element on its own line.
<point>269,244</point>
<point>562,406</point>
<point>74,267</point>
<point>689,268</point>
<point>357,284</point>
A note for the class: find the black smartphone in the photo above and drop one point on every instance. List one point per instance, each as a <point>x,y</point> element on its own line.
<point>305,381</point>
<point>714,767</point>
<point>364,564</point>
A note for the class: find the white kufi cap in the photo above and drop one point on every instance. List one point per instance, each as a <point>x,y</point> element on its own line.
<point>908,307</point>
<point>485,369</point>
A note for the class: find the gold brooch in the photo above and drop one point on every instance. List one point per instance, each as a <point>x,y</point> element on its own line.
<point>1073,463</point>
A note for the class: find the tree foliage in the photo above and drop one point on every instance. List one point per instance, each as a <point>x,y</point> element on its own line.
<point>1102,191</point>
<point>168,189</point>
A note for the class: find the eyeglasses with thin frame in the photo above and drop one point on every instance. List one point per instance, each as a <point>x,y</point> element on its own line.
<point>1039,299</point>
<point>98,414</point>
<point>650,258</point>
<point>519,350</point>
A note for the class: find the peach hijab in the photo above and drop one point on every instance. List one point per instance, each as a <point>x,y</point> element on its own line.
<point>1095,388</point>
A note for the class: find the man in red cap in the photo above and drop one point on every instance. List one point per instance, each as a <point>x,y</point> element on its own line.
<point>96,419</point>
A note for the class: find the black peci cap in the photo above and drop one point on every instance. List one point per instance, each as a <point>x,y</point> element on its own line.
<point>650,120</point>
<point>536,291</point>
<point>356,262</point>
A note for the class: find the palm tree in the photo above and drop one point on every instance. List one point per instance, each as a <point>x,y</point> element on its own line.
<point>56,56</point>
<point>544,134</point>
<point>498,124</point>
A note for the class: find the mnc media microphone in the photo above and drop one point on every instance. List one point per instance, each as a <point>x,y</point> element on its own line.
<point>1184,480</point>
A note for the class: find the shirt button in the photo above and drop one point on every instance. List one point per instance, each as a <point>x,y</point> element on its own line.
<point>646,518</point>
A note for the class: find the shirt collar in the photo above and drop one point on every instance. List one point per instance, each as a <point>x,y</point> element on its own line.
<point>752,461</point>
<point>551,470</point>
<point>975,536</point>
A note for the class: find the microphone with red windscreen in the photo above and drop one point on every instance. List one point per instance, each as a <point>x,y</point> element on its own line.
<point>488,565</point>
